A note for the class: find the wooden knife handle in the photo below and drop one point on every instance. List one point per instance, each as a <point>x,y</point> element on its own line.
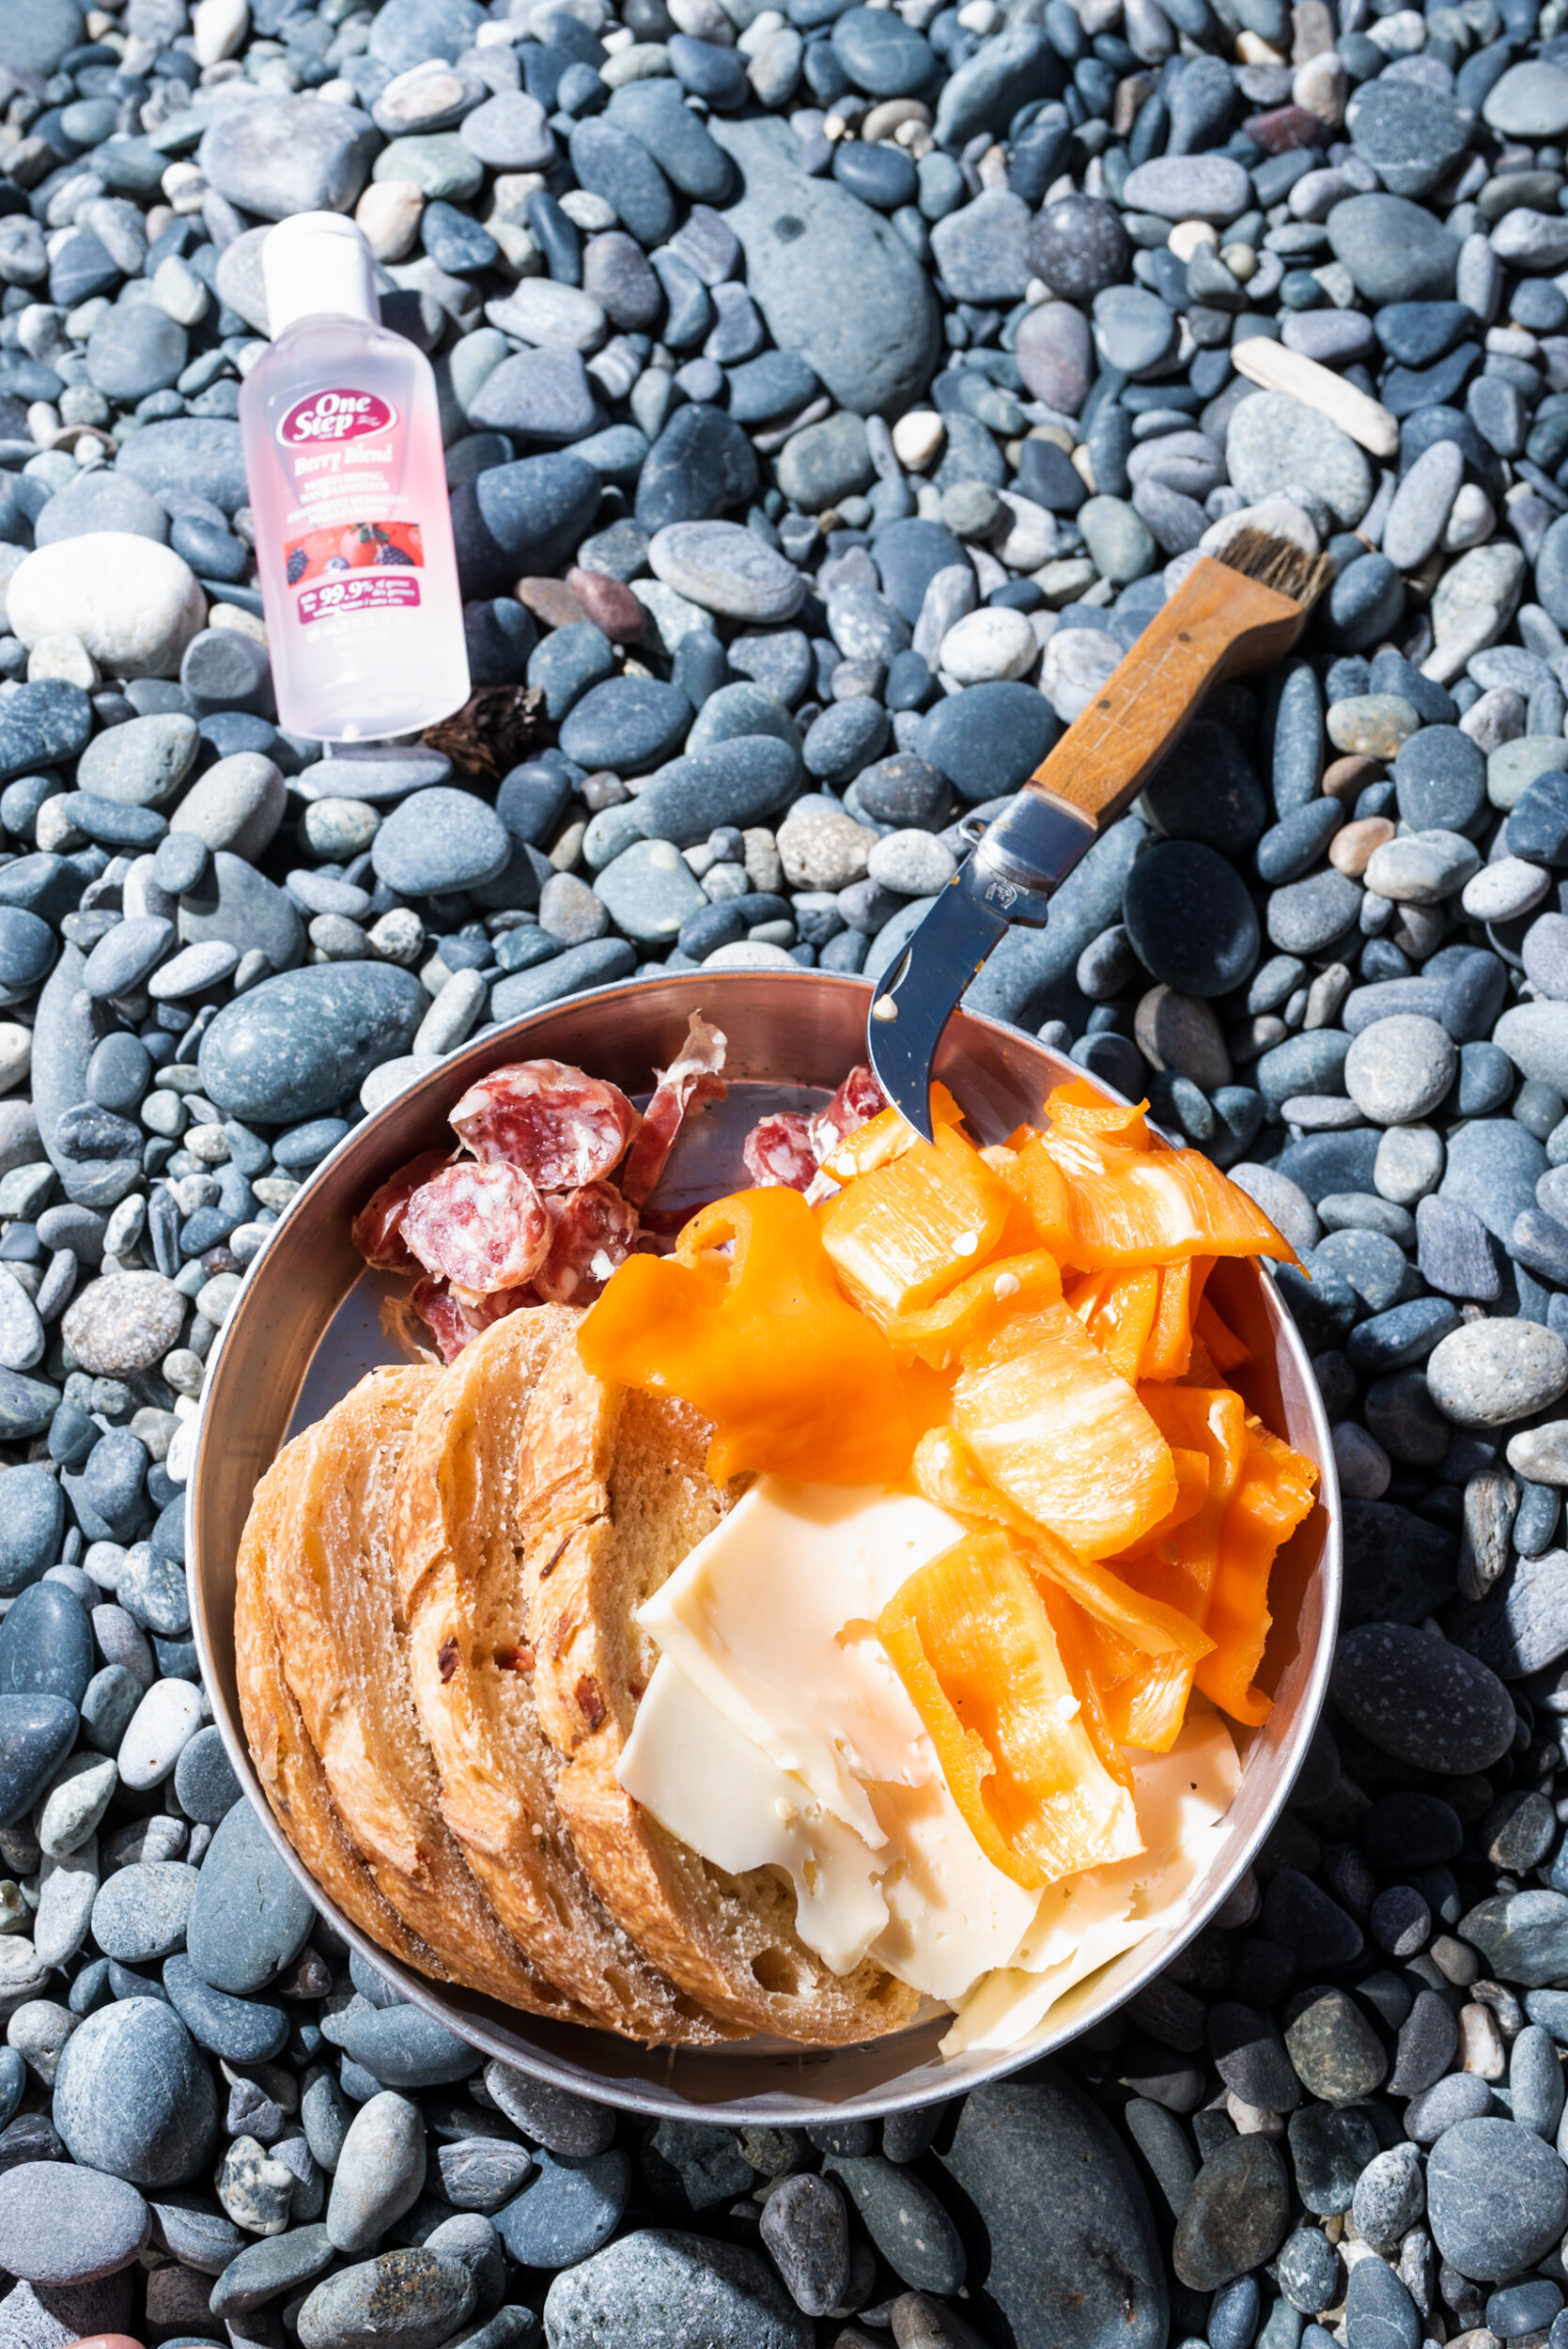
<point>1217,624</point>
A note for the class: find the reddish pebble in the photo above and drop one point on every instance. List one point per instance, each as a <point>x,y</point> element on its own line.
<point>1283,128</point>
<point>551,601</point>
<point>608,604</point>
<point>104,2341</point>
<point>1346,778</point>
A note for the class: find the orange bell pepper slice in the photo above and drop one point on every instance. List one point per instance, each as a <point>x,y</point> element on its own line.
<point>1156,1208</point>
<point>1065,1436</point>
<point>1081,1109</point>
<point>905,1234</point>
<point>1168,1353</point>
<point>762,1342</point>
<point>1041,1205</point>
<point>981,1305</point>
<point>1118,1310</point>
<point>946,1473</point>
<point>1224,1348</point>
<point>1273,1495</point>
<point>969,1637</point>
<point>885,1137</point>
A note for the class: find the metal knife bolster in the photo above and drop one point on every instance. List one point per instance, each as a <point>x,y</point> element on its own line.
<point>1021,860</point>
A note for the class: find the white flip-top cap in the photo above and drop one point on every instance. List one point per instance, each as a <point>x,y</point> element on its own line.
<point>315,263</point>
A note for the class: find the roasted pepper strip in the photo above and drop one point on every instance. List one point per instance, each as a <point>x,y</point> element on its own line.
<point>970,1639</point>
<point>1065,1437</point>
<point>1272,1497</point>
<point>1169,1351</point>
<point>1157,1206</point>
<point>945,1471</point>
<point>885,1137</point>
<point>796,1382</point>
<point>1081,1109</point>
<point>972,1313</point>
<point>1118,1310</point>
<point>905,1234</point>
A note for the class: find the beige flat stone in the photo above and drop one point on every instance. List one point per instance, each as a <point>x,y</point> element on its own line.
<point>1277,370</point>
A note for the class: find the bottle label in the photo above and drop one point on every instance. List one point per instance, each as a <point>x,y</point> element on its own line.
<point>342,414</point>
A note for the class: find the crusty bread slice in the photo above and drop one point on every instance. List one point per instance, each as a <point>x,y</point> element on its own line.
<point>615,1494</point>
<point>328,1585</point>
<point>455,1545</point>
<point>287,1763</point>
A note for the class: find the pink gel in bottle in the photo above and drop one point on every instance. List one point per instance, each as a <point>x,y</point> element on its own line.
<point>348,484</point>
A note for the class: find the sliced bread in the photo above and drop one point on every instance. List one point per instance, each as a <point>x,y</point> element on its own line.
<point>287,1763</point>
<point>612,1495</point>
<point>460,1586</point>
<point>328,1585</point>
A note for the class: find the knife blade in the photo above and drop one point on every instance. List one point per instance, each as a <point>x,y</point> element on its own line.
<point>912,1007</point>
<point>1008,878</point>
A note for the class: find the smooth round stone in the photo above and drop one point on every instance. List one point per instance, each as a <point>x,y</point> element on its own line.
<point>297,1044</point>
<point>1398,1070</point>
<point>551,2116</point>
<point>739,711</point>
<point>685,2288</point>
<point>40,725</point>
<point>510,133</point>
<point>1189,918</point>
<point>380,2173</point>
<point>649,890</point>
<point>438,840</point>
<point>203,1779</point>
<point>1529,102</point>
<point>568,2210</point>
<point>64,2225</point>
<point>1496,2195</point>
<point>127,955</point>
<point>738,781</point>
<point>1079,246</point>
<point>627,725</point>
<point>1521,1935</point>
<point>883,55</point>
<point>242,2030</point>
<point>141,1911</point>
<point>1236,2215</point>
<point>124,1323</point>
<point>1422,505</point>
<point>263,2271</point>
<point>988,646</point>
<point>1394,249</point>
<point>134,349</point>
<point>134,605</point>
<point>913,863</point>
<point>1189,187</point>
<point>885,176</point>
<point>726,568</point>
<point>1490,1373</point>
<point>134,2097</point>
<point>1055,355</point>
<point>1375,725</point>
<point>402,2047</point>
<point>1133,328</point>
<point>1503,890</point>
<point>822,464</point>
<point>431,2294</point>
<point>141,763</point>
<point>27,949</point>
<point>1408,133</point>
<point>1422,1700</point>
<point>164,1723</point>
<point>288,154</point>
<point>45,1645</point>
<point>1391,2196</point>
<point>1440,777</point>
<point>249,1919</point>
<point>32,1522</point>
<point>1422,867</point>
<point>1273,442</point>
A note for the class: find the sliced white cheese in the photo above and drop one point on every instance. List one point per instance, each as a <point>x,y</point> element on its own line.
<point>1083,1922</point>
<point>722,1794</point>
<point>772,1618</point>
<point>951,1914</point>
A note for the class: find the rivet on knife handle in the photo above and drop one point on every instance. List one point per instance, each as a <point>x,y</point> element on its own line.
<point>1240,612</point>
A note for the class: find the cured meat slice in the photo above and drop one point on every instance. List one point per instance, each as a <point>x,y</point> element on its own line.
<point>563,1128</point>
<point>858,1098</point>
<point>377,1231</point>
<point>593,1230</point>
<point>692,1076</point>
<point>480,1224</point>
<point>778,1151</point>
<point>442,1314</point>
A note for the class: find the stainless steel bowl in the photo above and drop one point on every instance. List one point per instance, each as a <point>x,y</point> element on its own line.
<point>307,1327</point>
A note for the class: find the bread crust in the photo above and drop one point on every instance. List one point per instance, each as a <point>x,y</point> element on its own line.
<point>616,1493</point>
<point>285,1762</point>
<point>328,1582</point>
<point>456,1536</point>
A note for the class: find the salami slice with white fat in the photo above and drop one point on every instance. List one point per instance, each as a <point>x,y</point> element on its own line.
<point>444,1318</point>
<point>778,1152</point>
<point>480,1224</point>
<point>377,1231</point>
<point>858,1098</point>
<point>592,1231</point>
<point>563,1128</point>
<point>692,1077</point>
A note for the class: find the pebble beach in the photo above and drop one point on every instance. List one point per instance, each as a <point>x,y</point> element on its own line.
<point>832,393</point>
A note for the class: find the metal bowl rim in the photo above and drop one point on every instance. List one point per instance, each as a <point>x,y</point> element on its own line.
<point>448,1077</point>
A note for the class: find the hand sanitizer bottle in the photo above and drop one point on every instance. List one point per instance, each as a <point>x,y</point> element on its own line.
<point>347,484</point>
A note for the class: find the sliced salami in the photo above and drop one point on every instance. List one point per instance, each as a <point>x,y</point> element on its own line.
<point>561,1128</point>
<point>480,1224</point>
<point>778,1152</point>
<point>377,1231</point>
<point>692,1077</point>
<point>592,1231</point>
<point>444,1318</point>
<point>858,1098</point>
